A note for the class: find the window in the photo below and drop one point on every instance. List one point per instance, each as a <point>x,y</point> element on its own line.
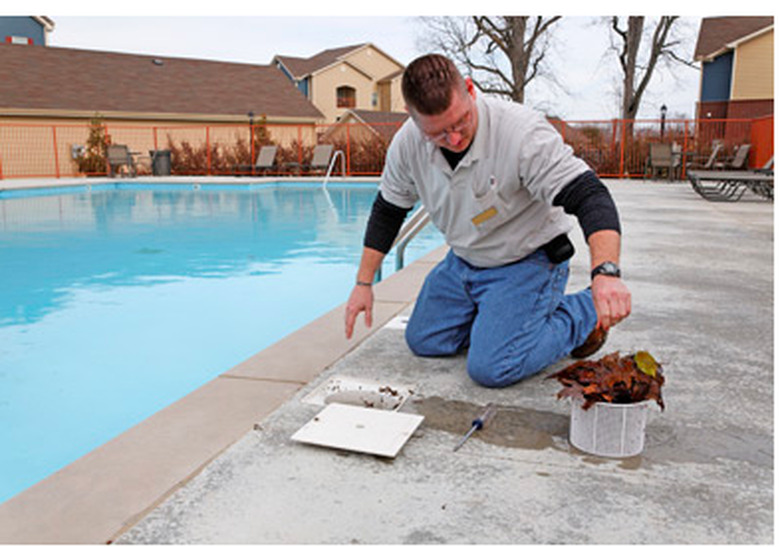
<point>345,97</point>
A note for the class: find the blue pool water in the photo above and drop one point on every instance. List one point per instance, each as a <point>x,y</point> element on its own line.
<point>116,302</point>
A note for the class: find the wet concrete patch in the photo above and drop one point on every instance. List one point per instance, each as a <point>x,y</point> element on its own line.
<point>512,427</point>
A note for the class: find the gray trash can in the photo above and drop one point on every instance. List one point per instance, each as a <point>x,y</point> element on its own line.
<point>161,162</point>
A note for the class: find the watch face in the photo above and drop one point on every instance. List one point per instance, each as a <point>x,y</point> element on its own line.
<point>607,268</point>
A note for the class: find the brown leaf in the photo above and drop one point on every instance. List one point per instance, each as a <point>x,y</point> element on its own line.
<point>612,378</point>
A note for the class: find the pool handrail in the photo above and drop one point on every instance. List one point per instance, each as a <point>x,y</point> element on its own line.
<point>419,219</point>
<point>336,155</point>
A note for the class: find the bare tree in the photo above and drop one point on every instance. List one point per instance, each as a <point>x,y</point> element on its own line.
<point>501,54</point>
<point>663,47</point>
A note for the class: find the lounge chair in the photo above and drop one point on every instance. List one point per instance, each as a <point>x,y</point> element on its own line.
<point>265,161</point>
<point>118,156</point>
<point>768,167</point>
<point>710,163</point>
<point>739,161</point>
<point>732,185</point>
<point>320,160</point>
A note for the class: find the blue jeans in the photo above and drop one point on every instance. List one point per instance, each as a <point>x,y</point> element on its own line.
<point>514,319</point>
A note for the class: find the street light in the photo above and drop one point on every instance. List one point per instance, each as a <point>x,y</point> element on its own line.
<point>663,119</point>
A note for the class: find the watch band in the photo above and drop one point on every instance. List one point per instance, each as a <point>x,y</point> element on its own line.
<point>605,268</point>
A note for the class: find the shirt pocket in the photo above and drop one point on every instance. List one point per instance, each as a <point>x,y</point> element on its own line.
<point>489,209</point>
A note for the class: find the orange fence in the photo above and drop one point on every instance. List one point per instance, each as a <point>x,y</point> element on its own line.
<point>613,148</point>
<point>762,131</point>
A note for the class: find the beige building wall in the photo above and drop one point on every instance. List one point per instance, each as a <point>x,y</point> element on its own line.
<point>360,70</point>
<point>372,61</point>
<point>754,68</point>
<point>379,66</point>
<point>397,103</point>
<point>325,84</point>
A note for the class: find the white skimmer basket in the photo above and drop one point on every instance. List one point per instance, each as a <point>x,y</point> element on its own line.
<point>609,430</point>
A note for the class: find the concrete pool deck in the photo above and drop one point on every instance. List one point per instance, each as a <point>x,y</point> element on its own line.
<point>219,466</point>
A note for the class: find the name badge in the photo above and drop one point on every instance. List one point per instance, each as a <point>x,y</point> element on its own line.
<point>487,214</point>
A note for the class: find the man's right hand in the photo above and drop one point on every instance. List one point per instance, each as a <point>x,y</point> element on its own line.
<point>361,300</point>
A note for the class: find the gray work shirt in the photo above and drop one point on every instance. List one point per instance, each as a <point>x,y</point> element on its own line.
<point>495,207</point>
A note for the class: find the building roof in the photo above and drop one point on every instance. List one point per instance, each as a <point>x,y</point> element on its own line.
<point>46,22</point>
<point>376,116</point>
<point>384,124</point>
<point>716,33</point>
<point>49,78</point>
<point>392,76</point>
<point>301,67</point>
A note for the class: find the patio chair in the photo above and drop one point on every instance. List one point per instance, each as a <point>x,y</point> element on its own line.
<point>766,188</point>
<point>320,160</point>
<point>265,160</point>
<point>768,167</point>
<point>710,163</point>
<point>661,159</point>
<point>730,185</point>
<point>118,156</point>
<point>739,160</point>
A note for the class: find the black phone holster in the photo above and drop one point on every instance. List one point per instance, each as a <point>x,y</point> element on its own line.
<point>559,249</point>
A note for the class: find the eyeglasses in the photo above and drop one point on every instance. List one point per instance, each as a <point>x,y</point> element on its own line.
<point>458,127</point>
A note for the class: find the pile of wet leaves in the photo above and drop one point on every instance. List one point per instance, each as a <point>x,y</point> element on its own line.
<point>613,379</point>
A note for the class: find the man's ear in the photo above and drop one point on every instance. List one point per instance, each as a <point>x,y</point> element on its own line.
<point>470,88</point>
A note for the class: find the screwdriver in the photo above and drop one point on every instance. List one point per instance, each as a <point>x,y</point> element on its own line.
<point>479,423</point>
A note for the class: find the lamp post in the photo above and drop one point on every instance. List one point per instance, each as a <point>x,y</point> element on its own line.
<point>663,119</point>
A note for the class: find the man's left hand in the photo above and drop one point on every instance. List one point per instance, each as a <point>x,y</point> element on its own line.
<point>612,300</point>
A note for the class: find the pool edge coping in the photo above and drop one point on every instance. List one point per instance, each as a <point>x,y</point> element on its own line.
<point>12,185</point>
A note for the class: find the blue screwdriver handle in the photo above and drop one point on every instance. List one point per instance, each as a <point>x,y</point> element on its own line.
<point>479,423</point>
<point>487,415</point>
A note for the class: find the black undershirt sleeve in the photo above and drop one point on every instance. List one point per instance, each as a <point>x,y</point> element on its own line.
<point>589,200</point>
<point>384,223</point>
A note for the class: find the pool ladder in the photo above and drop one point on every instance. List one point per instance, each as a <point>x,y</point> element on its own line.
<point>408,232</point>
<point>336,155</point>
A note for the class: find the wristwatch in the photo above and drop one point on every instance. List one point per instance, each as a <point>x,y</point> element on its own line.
<point>605,268</point>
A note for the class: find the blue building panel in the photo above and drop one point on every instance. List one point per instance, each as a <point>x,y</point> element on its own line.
<point>303,87</point>
<point>716,78</point>
<point>21,27</point>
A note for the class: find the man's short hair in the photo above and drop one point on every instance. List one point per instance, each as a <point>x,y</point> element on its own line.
<point>428,83</point>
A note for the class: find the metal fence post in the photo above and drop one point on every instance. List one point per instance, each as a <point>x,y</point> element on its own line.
<point>56,152</point>
<point>349,157</point>
<point>300,144</point>
<point>252,146</point>
<point>107,140</point>
<point>208,151</point>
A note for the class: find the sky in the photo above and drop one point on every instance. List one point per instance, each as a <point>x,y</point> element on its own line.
<point>587,74</point>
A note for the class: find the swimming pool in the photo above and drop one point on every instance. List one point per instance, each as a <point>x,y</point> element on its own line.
<point>120,299</point>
